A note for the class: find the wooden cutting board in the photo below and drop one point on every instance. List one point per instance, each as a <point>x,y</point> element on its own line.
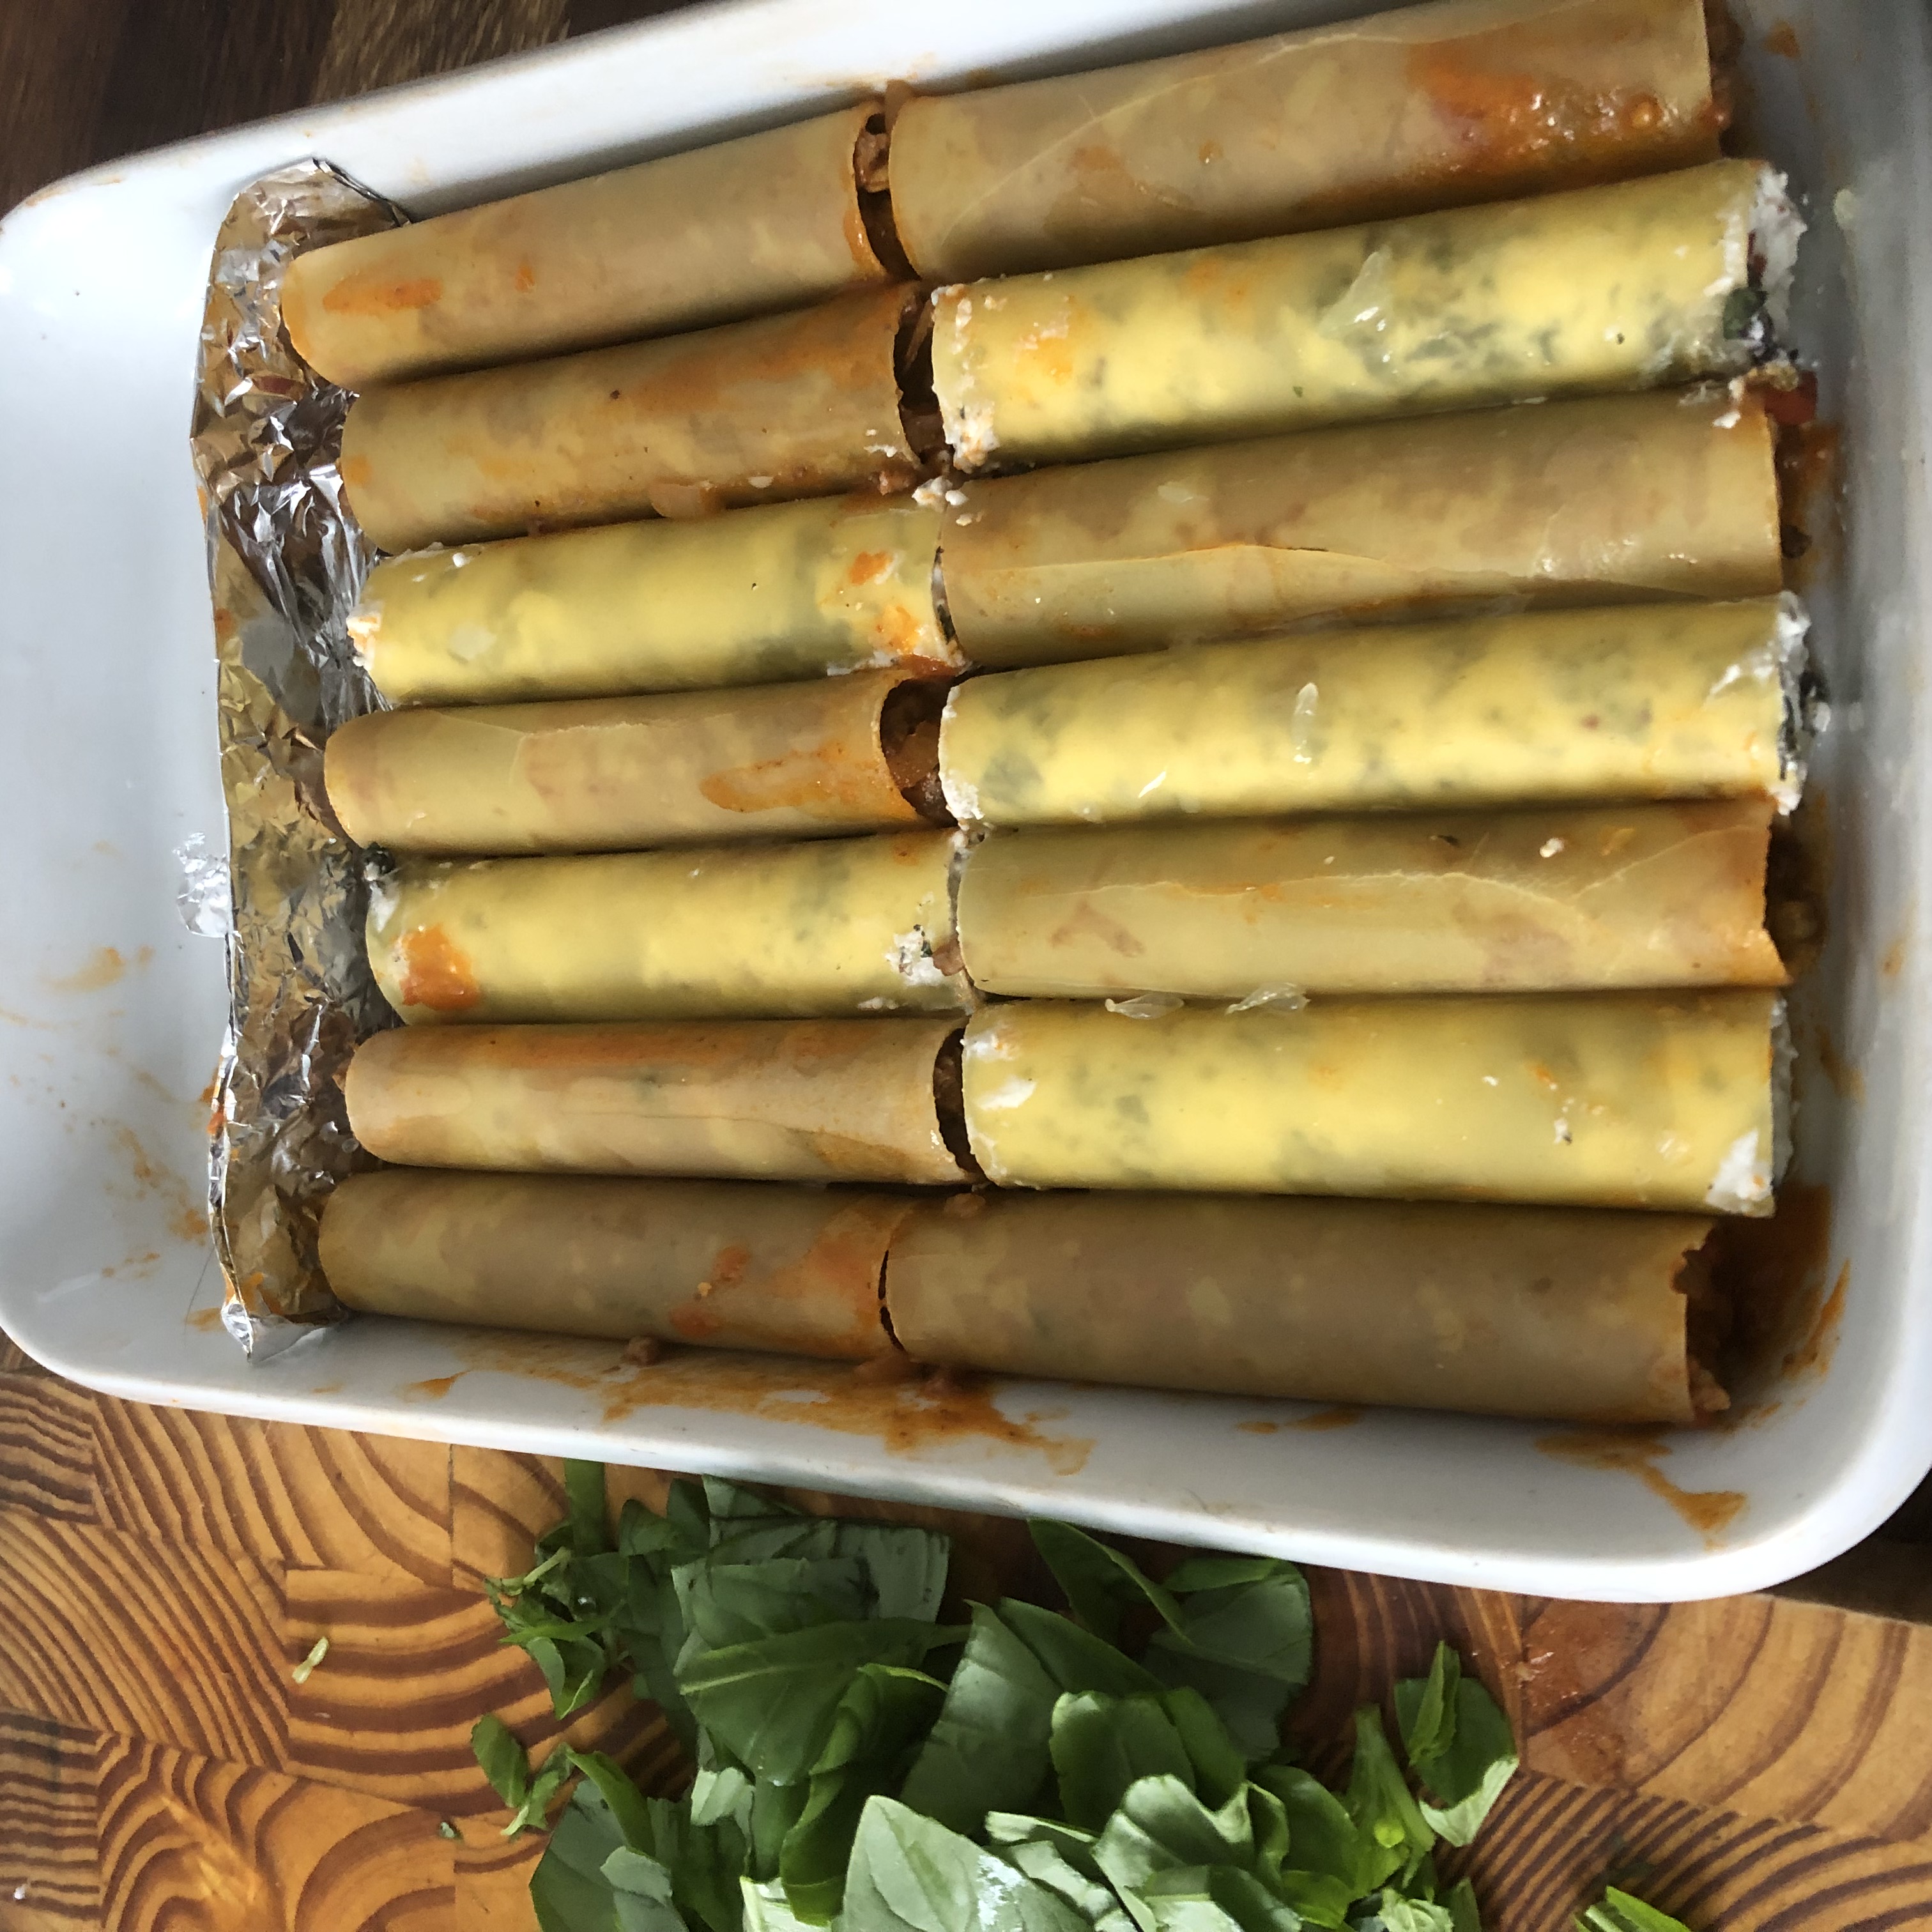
<point>1760,1765</point>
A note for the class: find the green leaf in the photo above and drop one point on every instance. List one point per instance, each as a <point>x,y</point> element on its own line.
<point>688,1513</point>
<point>574,1667</point>
<point>884,1714</point>
<point>731,1503</point>
<point>1425,1709</point>
<point>771,1703</point>
<point>1244,1642</point>
<point>1332,1863</point>
<point>1395,1913</point>
<point>1219,1768</point>
<point>504,1761</point>
<point>1074,1658</point>
<point>641,1893</point>
<point>725,1604</point>
<point>909,1874</point>
<point>766,1909</point>
<point>1101,1582</point>
<point>1216,1898</point>
<point>1100,1745</point>
<point>724,1792</point>
<point>775,1809</point>
<point>589,1508</point>
<point>568,1890</point>
<point>621,1798</point>
<point>535,1810</point>
<point>1463,1916</point>
<point>1620,1913</point>
<point>1379,1800</point>
<point>1060,1857</point>
<point>988,1749</point>
<point>1161,1825</point>
<point>1468,1777</point>
<point>905,1567</point>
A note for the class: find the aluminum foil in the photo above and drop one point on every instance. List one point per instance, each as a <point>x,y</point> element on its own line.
<point>286,562</point>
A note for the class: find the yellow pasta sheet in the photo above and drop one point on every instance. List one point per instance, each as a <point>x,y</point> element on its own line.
<point>1667,700</point>
<point>1615,1100</point>
<point>754,596</point>
<point>732,1264</point>
<point>814,1100</point>
<point>838,926</point>
<point>1268,910</point>
<point>1569,1314</point>
<point>1624,287</point>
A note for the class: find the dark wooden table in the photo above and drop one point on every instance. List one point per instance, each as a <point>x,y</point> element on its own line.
<point>1763,1765</point>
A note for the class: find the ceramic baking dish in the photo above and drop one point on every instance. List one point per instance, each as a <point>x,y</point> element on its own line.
<point>111,1009</point>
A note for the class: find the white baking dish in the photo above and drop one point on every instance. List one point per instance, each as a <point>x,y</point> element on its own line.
<point>108,766</point>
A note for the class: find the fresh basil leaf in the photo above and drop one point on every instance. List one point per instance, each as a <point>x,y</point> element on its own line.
<point>688,1513</point>
<point>572,1666</point>
<point>1060,1857</point>
<point>1425,1709</point>
<point>1100,1745</point>
<point>1244,1642</point>
<point>775,1810</point>
<point>1620,1913</point>
<point>589,1507</point>
<point>1161,1825</point>
<point>1463,1915</point>
<point>568,1890</point>
<point>1329,1864</point>
<point>905,1567</point>
<point>642,1533</point>
<point>909,1874</point>
<point>721,1792</point>
<point>505,1763</point>
<point>725,1603</point>
<point>1220,1769</point>
<point>732,1503</point>
<point>1075,1659</point>
<point>1394,1912</point>
<point>771,1703</point>
<point>621,1798</point>
<point>1216,1898</point>
<point>1379,1800</point>
<point>706,1863</point>
<point>1267,1827</point>
<point>641,1893</point>
<point>988,1749</point>
<point>1467,1776</point>
<point>766,1909</point>
<point>1101,1582</point>
<point>535,1810</point>
<point>883,1714</point>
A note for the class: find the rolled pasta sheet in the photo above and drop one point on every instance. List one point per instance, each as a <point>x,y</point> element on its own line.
<point>1602,501</point>
<point>756,596</point>
<point>1264,912</point>
<point>1618,1100</point>
<point>1568,1314</point>
<point>1391,115</point>
<point>1631,286</point>
<point>729,1264</point>
<point>813,1100</point>
<point>843,926</point>
<point>805,404</point>
<point>1691,700</point>
<point>612,774</point>
<point>770,221</point>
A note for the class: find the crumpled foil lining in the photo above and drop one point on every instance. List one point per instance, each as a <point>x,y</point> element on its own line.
<point>286,563</point>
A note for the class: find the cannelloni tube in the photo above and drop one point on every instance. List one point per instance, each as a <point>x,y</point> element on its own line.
<point>805,404</point>
<point>1568,1314</point>
<point>1665,701</point>
<point>754,1100</point>
<point>771,220</point>
<point>1626,287</point>
<point>1267,910</point>
<point>1396,113</point>
<point>751,597</point>
<point>733,1264</point>
<point>1602,501</point>
<point>1617,1100</point>
<point>841,755</point>
<point>847,925</point>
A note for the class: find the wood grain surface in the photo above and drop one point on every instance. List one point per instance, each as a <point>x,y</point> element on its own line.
<point>1763,1765</point>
